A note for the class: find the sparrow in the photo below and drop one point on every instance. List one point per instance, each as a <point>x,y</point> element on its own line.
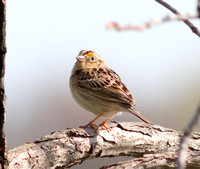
<point>98,89</point>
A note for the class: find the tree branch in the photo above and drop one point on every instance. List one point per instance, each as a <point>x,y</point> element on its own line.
<point>2,72</point>
<point>176,12</point>
<point>149,24</point>
<point>153,22</point>
<point>198,8</point>
<point>183,148</point>
<point>161,160</point>
<point>73,146</point>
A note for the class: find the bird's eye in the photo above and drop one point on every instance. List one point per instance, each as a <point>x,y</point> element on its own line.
<point>92,58</point>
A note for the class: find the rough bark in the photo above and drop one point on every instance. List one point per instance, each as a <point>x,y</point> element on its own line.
<point>2,72</point>
<point>62,149</point>
<point>160,160</point>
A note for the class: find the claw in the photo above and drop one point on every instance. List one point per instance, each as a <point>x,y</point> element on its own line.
<point>104,125</point>
<point>92,125</point>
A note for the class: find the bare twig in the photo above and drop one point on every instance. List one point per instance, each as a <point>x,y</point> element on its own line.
<point>149,24</point>
<point>153,22</point>
<point>183,149</point>
<point>175,11</point>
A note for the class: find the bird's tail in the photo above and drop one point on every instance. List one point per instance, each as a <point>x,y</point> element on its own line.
<point>133,111</point>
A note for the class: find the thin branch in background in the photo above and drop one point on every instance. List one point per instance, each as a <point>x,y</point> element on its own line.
<point>178,16</point>
<point>149,24</point>
<point>198,8</point>
<point>183,148</point>
<point>175,11</point>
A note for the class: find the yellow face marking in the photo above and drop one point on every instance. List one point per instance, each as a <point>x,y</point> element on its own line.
<point>89,54</point>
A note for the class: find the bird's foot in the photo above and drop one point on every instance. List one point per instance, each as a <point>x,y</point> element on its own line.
<point>92,125</point>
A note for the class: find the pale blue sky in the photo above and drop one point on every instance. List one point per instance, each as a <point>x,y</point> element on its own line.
<point>160,66</point>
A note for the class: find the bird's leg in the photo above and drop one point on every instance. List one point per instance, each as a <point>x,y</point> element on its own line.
<point>104,124</point>
<point>91,124</point>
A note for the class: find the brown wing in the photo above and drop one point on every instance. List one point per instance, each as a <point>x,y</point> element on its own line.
<point>105,84</point>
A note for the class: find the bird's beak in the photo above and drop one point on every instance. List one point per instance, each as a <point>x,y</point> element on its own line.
<point>80,58</point>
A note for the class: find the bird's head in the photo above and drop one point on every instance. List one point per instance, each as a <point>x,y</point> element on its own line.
<point>87,59</point>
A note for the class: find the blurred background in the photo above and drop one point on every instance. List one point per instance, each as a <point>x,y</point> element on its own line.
<point>160,66</point>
